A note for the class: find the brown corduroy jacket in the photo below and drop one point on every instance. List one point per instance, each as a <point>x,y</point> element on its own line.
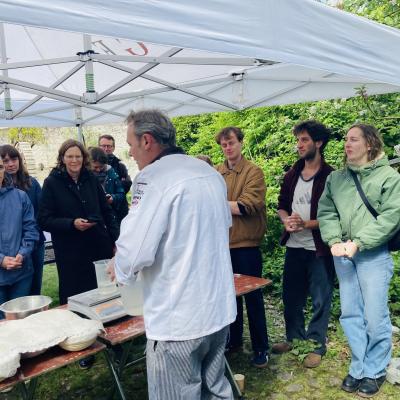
<point>246,185</point>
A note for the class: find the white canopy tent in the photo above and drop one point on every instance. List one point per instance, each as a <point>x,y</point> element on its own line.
<point>74,62</point>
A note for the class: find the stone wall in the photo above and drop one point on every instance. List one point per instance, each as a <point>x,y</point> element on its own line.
<point>45,154</point>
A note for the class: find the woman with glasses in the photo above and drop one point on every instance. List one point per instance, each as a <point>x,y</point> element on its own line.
<point>18,235</point>
<point>16,170</point>
<point>75,211</point>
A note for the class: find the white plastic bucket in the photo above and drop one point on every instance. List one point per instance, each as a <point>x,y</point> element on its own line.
<point>132,297</point>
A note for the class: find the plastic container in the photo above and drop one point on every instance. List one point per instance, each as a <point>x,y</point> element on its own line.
<point>104,283</point>
<point>132,297</point>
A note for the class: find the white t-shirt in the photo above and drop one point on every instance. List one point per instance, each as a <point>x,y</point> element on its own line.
<point>302,205</point>
<point>177,235</point>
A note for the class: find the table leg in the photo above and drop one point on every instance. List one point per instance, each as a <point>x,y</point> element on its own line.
<point>235,387</point>
<point>27,389</point>
<point>115,374</point>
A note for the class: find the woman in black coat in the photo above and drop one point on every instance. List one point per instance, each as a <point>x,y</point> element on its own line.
<point>83,226</point>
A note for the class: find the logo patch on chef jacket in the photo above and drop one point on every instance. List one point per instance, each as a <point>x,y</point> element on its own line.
<point>138,193</point>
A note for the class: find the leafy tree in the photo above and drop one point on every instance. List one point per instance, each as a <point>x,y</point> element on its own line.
<point>30,135</point>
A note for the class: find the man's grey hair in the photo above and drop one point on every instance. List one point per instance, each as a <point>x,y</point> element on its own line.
<point>154,122</point>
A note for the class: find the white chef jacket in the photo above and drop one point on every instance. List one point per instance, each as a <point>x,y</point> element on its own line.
<point>177,234</point>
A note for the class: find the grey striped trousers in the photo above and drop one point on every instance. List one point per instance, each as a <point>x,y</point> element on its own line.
<point>189,369</point>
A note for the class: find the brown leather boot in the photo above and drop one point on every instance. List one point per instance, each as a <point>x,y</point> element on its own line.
<point>282,347</point>
<point>312,360</point>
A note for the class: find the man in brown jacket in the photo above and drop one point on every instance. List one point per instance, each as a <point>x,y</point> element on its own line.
<point>246,195</point>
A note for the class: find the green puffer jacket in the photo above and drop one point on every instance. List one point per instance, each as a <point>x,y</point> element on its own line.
<point>342,214</point>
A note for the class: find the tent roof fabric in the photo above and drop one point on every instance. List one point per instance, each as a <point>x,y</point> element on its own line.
<point>67,63</point>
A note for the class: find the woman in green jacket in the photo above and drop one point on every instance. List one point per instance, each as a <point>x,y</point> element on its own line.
<point>363,264</point>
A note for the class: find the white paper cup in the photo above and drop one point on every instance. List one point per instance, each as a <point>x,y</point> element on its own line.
<point>239,379</point>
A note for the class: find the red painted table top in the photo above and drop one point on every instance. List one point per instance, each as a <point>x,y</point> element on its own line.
<point>245,284</point>
<point>131,327</point>
<point>51,359</point>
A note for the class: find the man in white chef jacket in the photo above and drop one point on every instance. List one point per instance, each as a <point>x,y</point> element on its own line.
<point>177,235</point>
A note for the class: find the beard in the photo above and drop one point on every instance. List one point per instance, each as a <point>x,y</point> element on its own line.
<point>310,154</point>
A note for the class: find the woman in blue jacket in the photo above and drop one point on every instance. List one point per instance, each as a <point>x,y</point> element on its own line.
<point>18,235</point>
<point>15,168</point>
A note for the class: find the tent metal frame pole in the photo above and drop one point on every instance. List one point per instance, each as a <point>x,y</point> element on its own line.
<point>71,101</point>
<point>53,86</point>
<point>173,86</point>
<point>147,92</point>
<point>78,123</point>
<point>280,92</point>
<point>103,113</point>
<point>6,89</point>
<point>226,81</point>
<point>234,61</point>
<point>44,111</point>
<point>211,91</point>
<point>42,90</point>
<point>69,122</point>
<point>240,62</point>
<point>38,63</point>
<point>275,94</point>
<point>90,95</point>
<point>135,75</point>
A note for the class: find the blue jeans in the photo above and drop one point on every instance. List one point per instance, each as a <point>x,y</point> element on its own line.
<point>364,284</point>
<point>17,289</point>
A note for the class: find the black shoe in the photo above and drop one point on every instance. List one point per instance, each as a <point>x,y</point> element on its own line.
<point>370,387</point>
<point>86,363</point>
<point>350,384</point>
<point>260,359</point>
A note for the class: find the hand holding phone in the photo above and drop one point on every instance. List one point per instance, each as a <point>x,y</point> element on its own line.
<point>83,224</point>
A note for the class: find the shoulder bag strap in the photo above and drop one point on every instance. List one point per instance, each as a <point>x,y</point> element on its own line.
<point>362,194</point>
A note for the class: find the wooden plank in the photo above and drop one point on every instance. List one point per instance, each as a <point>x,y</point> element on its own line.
<point>50,360</point>
<point>55,358</point>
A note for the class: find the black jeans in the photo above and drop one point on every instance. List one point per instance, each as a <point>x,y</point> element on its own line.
<point>305,273</point>
<point>248,261</point>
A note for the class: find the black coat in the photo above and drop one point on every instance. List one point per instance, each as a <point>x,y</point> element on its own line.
<point>62,202</point>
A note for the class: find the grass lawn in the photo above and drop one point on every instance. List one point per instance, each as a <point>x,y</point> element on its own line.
<point>284,378</point>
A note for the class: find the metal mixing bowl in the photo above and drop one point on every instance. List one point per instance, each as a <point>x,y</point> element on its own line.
<point>23,306</point>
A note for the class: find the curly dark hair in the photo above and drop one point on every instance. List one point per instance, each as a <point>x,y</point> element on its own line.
<point>316,130</point>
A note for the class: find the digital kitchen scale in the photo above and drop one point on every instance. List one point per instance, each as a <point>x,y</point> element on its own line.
<point>98,306</point>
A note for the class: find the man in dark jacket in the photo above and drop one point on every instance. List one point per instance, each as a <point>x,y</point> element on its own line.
<point>107,143</point>
<point>308,265</point>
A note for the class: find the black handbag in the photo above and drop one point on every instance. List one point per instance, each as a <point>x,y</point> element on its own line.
<point>394,242</point>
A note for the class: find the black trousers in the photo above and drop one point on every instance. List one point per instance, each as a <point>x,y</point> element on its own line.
<point>248,261</point>
<point>306,274</point>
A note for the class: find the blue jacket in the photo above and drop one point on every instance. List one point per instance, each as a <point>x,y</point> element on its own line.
<point>34,193</point>
<point>18,232</point>
<point>112,185</point>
